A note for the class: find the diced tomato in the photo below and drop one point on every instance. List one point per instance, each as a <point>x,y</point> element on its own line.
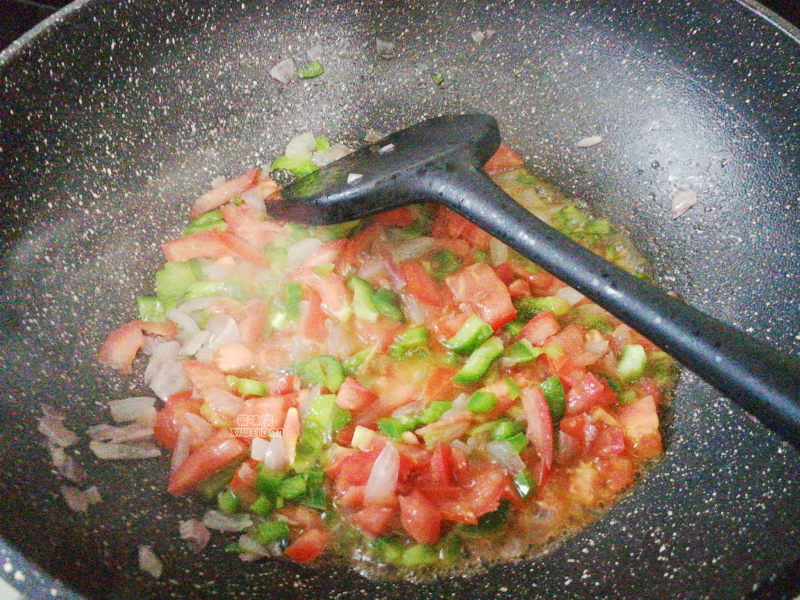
<point>354,396</point>
<point>170,419</point>
<point>302,517</point>
<point>166,329</point>
<point>251,324</point>
<point>331,289</point>
<point>216,453</point>
<point>460,464</point>
<point>420,518</point>
<point>646,386</point>
<point>308,546</point>
<point>327,253</point>
<point>352,496</point>
<point>203,375</point>
<point>539,279</point>
<point>356,246</point>
<point>505,271</point>
<point>449,323</point>
<point>373,520</point>
<point>570,340</point>
<point>244,481</point>
<point>399,217</point>
<point>449,224</point>
<point>519,288</point>
<point>441,465</point>
<point>616,473</point>
<point>224,193</point>
<point>212,243</point>
<point>440,385</point>
<point>591,391</point>
<point>540,424</point>
<point>353,469</point>
<point>580,428</point>
<point>610,441</point>
<point>284,384</point>
<point>250,225</point>
<point>422,285</point>
<point>486,490</point>
<point>480,286</point>
<point>540,327</point>
<point>314,327</point>
<point>291,434</point>
<point>380,334</point>
<point>639,422</point>
<point>267,413</point>
<point>503,160</point>
<point>120,348</point>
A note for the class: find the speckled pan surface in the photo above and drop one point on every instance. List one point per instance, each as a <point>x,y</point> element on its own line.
<point>114,117</point>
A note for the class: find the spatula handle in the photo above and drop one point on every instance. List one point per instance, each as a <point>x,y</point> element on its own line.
<point>760,379</point>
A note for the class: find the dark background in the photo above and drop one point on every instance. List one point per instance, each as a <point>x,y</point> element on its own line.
<point>17,16</point>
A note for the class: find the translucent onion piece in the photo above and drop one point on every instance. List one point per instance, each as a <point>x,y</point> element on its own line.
<point>383,476</point>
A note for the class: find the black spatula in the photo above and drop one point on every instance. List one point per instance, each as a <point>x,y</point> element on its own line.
<point>441,160</point>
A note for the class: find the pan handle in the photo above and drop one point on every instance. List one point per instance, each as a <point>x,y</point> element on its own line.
<point>762,380</point>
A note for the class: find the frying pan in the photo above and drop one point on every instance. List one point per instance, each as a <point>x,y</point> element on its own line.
<point>116,114</point>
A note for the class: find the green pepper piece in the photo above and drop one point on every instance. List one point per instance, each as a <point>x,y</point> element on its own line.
<point>291,302</point>
<point>530,306</point>
<point>210,220</point>
<point>526,179</point>
<point>150,309</point>
<point>513,328</point>
<point>172,281</point>
<point>553,392</point>
<point>520,352</point>
<point>632,362</point>
<point>228,502</point>
<point>322,369</point>
<point>472,334</point>
<point>445,262</point>
<point>363,300</point>
<point>352,364</point>
<point>505,429</point>
<point>411,341</point>
<point>481,402</point>
<point>269,532</point>
<point>488,523</point>
<point>247,387</point>
<point>264,505</point>
<point>418,555</point>
<point>314,498</point>
<point>519,442</point>
<point>388,304</point>
<point>310,70</point>
<point>524,483</point>
<point>395,427</point>
<point>388,548</point>
<point>292,487</point>
<point>434,411</point>
<point>479,361</point>
<point>268,481</point>
<point>513,389</point>
<point>451,549</point>
<point>322,143</point>
<point>205,289</point>
<point>299,165</point>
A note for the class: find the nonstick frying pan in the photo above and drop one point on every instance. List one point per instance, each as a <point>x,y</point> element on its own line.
<point>116,114</point>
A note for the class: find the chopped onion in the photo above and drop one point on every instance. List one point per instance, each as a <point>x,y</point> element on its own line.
<point>191,306</point>
<point>386,149</point>
<point>298,253</point>
<point>164,373</point>
<point>459,404</point>
<point>413,248</point>
<point>75,498</point>
<point>254,199</point>
<point>458,444</point>
<point>186,324</point>
<point>112,451</point>
<point>53,429</point>
<point>335,152</point>
<point>72,470</point>
<point>92,495</point>
<point>195,343</point>
<point>477,36</point>
<point>504,455</point>
<point>498,251</point>
<point>373,136</point>
<point>221,522</point>
<point>384,49</point>
<point>622,334</point>
<point>597,347</point>
<point>300,146</point>
<point>217,181</point>
<point>139,409</point>
<point>128,433</point>
<point>571,295</point>
<point>275,454</point>
<point>257,448</point>
<point>181,451</point>
<point>682,200</point>
<point>284,71</point>
<point>223,402</point>
<point>413,310</point>
<point>149,562</point>
<point>57,455</point>
<point>589,141</point>
<point>194,533</point>
<point>383,476</point>
<point>252,548</point>
<point>371,268</point>
<point>223,329</point>
<point>353,177</point>
<point>315,52</point>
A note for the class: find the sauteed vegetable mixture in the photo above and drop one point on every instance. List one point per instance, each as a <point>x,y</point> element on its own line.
<point>404,393</point>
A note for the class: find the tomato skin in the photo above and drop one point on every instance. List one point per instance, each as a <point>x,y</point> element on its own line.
<point>314,326</point>
<point>250,225</point>
<point>268,412</point>
<point>223,193</point>
<point>216,453</point>
<point>420,518</point>
<point>373,520</point>
<point>308,546</point>
<point>399,217</point>
<point>591,391</point>
<point>440,384</point>
<point>610,441</point>
<point>244,481</point>
<point>581,428</point>
<point>540,424</point>
<point>169,420</point>
<point>354,468</point>
<point>120,348</point>
<point>355,246</point>
<point>503,160</point>
<point>441,465</point>
<point>540,327</point>
<point>212,243</point>
<point>203,375</point>
<point>519,288</point>
<point>354,396</point>
<point>422,285</point>
<point>505,271</point>
<point>449,224</point>
<point>480,286</point>
<point>639,422</point>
